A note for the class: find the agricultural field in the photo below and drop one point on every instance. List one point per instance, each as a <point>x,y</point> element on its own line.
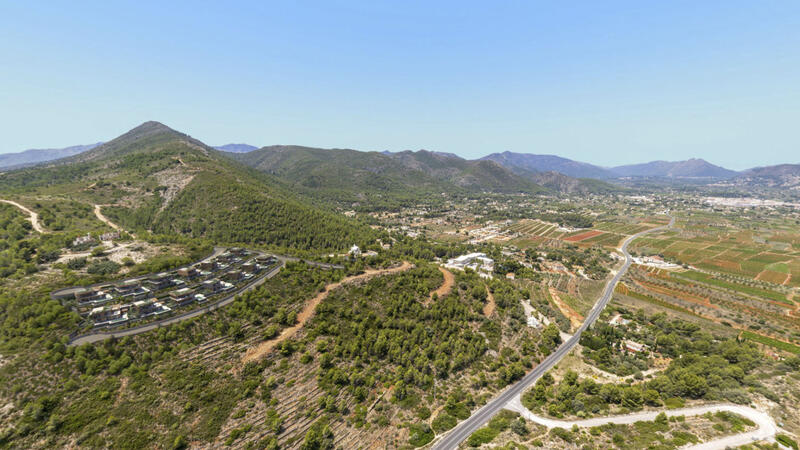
<point>734,273</point>
<point>604,234</point>
<point>719,243</point>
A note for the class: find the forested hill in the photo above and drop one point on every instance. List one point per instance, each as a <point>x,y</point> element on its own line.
<point>157,179</point>
<point>380,178</point>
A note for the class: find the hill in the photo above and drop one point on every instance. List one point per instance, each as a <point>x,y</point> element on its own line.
<point>549,163</point>
<point>156,179</point>
<point>377,178</point>
<point>236,148</point>
<point>779,176</point>
<point>691,168</point>
<point>34,156</point>
<point>562,183</point>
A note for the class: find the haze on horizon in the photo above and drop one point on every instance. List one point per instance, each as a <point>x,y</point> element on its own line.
<point>611,83</point>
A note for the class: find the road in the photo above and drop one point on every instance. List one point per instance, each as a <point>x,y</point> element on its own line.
<point>765,425</point>
<point>32,216</point>
<point>480,417</point>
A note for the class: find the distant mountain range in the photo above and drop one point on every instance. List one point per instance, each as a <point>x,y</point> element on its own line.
<point>506,171</point>
<point>691,168</point>
<point>34,156</point>
<point>549,163</point>
<point>780,176</point>
<point>236,148</point>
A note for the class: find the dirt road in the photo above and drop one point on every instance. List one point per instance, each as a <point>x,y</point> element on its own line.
<point>446,287</point>
<point>262,349</point>
<point>32,216</point>
<point>766,425</point>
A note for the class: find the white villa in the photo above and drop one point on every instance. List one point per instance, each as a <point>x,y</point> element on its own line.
<point>478,262</point>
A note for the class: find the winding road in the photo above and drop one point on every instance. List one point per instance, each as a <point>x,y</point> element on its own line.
<point>32,216</point>
<point>463,430</point>
<point>765,425</point>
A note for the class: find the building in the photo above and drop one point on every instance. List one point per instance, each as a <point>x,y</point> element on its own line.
<point>130,290</point>
<point>238,251</point>
<point>147,308</point>
<point>92,296</point>
<point>212,286</point>
<point>478,262</point>
<point>354,252</point>
<point>188,272</point>
<point>618,320</point>
<point>208,266</point>
<point>249,268</point>
<point>159,281</point>
<point>534,322</point>
<point>233,275</point>
<point>266,260</point>
<point>182,297</point>
<point>511,276</point>
<point>110,236</point>
<point>634,347</point>
<point>82,240</point>
<point>109,316</point>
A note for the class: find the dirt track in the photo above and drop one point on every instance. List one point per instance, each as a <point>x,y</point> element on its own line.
<point>32,216</point>
<point>446,287</point>
<point>262,349</point>
<point>489,307</point>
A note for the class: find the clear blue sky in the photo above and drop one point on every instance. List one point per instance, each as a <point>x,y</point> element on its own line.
<point>603,82</point>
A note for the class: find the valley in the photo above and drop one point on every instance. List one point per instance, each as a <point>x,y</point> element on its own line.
<point>293,297</point>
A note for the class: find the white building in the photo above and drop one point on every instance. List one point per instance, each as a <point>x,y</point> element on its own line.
<point>478,262</point>
<point>355,252</point>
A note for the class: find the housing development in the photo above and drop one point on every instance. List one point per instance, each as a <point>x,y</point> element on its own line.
<point>138,299</point>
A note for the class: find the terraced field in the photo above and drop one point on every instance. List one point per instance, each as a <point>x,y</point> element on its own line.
<point>605,234</point>
<point>761,255</point>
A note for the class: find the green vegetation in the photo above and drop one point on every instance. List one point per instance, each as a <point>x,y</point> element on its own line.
<point>703,367</point>
<point>738,287</point>
<point>499,423</point>
<point>780,345</point>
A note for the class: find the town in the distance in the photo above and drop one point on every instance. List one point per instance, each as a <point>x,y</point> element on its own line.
<point>158,292</point>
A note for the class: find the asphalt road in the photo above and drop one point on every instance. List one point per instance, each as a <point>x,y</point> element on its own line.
<point>463,430</point>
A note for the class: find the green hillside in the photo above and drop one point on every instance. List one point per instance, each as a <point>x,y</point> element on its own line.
<point>159,180</point>
<point>378,179</point>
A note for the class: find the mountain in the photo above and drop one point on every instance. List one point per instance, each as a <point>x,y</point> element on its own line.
<point>473,175</point>
<point>33,156</point>
<point>691,168</point>
<point>779,176</point>
<point>236,148</point>
<point>562,183</point>
<point>549,163</point>
<point>157,179</point>
<point>380,179</point>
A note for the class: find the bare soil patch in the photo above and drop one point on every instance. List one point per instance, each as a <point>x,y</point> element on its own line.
<point>489,307</point>
<point>446,287</point>
<point>582,236</point>
<point>574,317</point>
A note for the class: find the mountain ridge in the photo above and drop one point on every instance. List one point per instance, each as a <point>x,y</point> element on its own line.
<point>38,155</point>
<point>690,168</point>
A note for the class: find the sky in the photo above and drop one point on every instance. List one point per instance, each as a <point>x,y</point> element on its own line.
<point>611,82</point>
